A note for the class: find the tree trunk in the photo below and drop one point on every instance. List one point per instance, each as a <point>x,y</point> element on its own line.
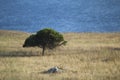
<point>43,51</point>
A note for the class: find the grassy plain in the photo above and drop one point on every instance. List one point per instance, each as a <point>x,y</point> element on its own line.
<point>87,56</point>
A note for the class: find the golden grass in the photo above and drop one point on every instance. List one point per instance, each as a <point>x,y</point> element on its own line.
<point>87,56</point>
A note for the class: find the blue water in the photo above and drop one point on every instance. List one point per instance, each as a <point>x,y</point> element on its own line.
<point>61,15</point>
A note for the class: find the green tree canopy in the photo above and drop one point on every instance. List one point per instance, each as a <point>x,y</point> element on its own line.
<point>46,39</point>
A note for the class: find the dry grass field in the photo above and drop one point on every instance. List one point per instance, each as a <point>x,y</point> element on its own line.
<point>87,56</point>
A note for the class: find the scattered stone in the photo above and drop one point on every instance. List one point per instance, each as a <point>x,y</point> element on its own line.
<point>105,60</point>
<point>54,70</point>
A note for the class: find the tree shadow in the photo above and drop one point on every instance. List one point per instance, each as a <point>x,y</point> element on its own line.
<point>118,49</point>
<point>19,54</point>
<point>114,48</point>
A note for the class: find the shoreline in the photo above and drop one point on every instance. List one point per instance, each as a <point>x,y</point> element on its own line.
<point>60,32</point>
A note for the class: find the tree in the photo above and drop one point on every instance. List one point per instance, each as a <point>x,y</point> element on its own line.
<point>46,39</point>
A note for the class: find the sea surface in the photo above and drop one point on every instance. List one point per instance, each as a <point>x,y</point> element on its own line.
<point>61,15</point>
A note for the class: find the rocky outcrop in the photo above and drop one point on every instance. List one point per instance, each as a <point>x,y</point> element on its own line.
<point>54,70</point>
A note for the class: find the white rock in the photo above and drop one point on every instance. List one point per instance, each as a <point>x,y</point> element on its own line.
<point>53,70</point>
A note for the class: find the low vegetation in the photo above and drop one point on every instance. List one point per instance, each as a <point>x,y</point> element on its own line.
<point>87,56</point>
